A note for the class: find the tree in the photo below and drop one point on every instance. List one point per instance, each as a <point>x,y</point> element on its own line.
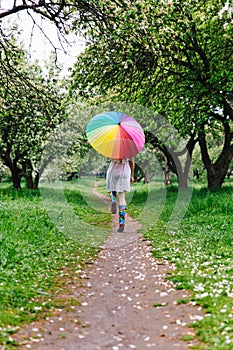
<point>31,107</point>
<point>172,56</point>
<point>175,151</point>
<point>31,104</point>
<point>61,12</point>
<point>66,15</point>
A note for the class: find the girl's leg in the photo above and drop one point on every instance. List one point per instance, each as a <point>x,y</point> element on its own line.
<point>113,195</point>
<point>122,211</point>
<point>121,198</point>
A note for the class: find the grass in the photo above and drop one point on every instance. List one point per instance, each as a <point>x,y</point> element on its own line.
<point>37,253</point>
<point>48,236</point>
<point>200,246</point>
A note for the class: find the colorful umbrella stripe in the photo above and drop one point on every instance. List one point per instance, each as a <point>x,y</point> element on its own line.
<point>115,135</point>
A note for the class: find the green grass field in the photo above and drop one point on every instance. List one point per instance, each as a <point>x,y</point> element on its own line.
<point>201,249</point>
<point>47,236</point>
<point>41,243</point>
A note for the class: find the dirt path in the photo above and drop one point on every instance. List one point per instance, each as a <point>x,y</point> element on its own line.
<point>119,299</point>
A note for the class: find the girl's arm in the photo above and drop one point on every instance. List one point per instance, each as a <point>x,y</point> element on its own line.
<point>132,165</point>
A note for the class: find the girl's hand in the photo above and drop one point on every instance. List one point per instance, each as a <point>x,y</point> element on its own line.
<point>131,179</point>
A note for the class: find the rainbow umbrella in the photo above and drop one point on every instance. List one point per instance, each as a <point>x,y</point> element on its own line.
<point>115,135</point>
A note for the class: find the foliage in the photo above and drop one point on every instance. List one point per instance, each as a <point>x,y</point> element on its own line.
<point>172,56</point>
<point>25,92</point>
<point>66,15</point>
<point>67,145</point>
<point>30,109</point>
<point>60,12</point>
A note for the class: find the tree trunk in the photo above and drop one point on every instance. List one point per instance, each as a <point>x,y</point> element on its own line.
<point>27,169</point>
<point>36,181</point>
<point>216,172</point>
<point>176,159</point>
<point>33,183</point>
<point>29,179</point>
<point>167,175</point>
<point>140,174</point>
<point>16,172</point>
<point>16,179</point>
<point>183,181</point>
<point>181,170</point>
<point>146,176</point>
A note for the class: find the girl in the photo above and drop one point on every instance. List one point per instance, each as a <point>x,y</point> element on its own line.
<point>119,176</point>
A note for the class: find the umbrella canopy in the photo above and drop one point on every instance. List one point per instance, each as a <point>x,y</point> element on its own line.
<point>115,135</point>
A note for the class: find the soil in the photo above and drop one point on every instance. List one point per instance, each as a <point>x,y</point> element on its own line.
<point>125,303</point>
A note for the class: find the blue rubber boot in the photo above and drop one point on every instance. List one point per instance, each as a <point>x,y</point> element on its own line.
<point>114,204</point>
<point>122,212</point>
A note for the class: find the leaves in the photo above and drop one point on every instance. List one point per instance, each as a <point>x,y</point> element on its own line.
<point>176,59</point>
<point>31,107</point>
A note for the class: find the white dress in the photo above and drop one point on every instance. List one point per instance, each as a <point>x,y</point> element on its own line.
<point>118,176</point>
